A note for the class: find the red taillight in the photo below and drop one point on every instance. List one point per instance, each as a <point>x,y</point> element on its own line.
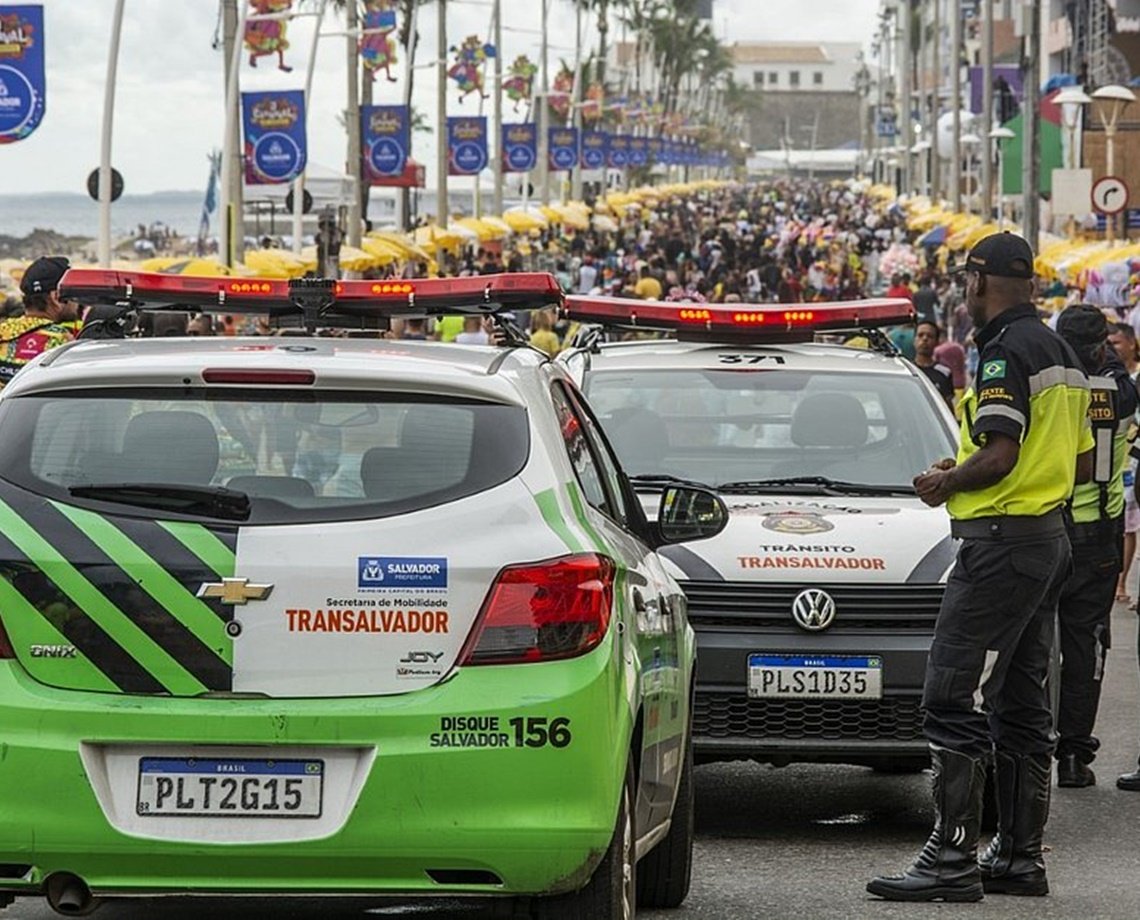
<point>6,650</point>
<point>544,611</point>
<point>259,378</point>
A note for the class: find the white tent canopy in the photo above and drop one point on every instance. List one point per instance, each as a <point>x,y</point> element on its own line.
<point>327,186</point>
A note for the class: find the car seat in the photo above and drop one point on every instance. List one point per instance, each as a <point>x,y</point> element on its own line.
<point>434,453</point>
<point>169,447</point>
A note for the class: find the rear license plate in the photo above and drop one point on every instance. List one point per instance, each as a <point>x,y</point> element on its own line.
<point>230,788</point>
<point>815,677</point>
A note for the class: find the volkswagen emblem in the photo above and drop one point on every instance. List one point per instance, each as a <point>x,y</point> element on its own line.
<point>813,609</point>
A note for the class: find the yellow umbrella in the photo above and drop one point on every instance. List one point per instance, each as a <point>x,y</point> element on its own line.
<point>187,265</point>
<point>432,238</point>
<point>350,258</point>
<point>277,263</point>
<point>404,243</point>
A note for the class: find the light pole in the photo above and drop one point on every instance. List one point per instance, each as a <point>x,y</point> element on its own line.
<point>918,149</point>
<point>969,143</point>
<point>1072,99</point>
<point>1110,103</point>
<point>105,144</point>
<point>997,135</point>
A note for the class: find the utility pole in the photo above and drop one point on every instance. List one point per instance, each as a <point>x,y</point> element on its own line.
<point>403,199</point>
<point>1030,168</point>
<point>352,21</point>
<point>935,107</point>
<point>544,111</point>
<point>299,182</point>
<point>443,209</point>
<point>987,106</point>
<point>956,102</point>
<point>105,142</point>
<point>906,60</point>
<point>498,164</point>
<point>576,172</point>
<point>232,225</point>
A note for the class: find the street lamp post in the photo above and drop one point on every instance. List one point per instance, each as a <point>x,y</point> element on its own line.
<point>105,143</point>
<point>1110,103</point>
<point>969,144</point>
<point>997,135</point>
<point>1072,99</point>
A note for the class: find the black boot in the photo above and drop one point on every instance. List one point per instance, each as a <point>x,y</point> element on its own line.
<point>1012,863</point>
<point>946,869</point>
<point>1074,773</point>
<point>1129,782</point>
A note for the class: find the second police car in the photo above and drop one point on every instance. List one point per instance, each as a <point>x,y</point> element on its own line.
<point>815,608</point>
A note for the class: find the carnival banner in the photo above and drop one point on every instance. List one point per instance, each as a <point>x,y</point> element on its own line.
<point>638,151</point>
<point>563,148</point>
<point>466,145</point>
<point>22,85</point>
<point>275,146</point>
<point>594,149</point>
<point>385,132</point>
<point>519,145</point>
<point>617,156</point>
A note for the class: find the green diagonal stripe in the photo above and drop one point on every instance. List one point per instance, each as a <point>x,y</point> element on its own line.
<point>167,590</point>
<point>547,503</point>
<point>151,656</point>
<point>27,626</point>
<point>580,513</point>
<point>204,545</point>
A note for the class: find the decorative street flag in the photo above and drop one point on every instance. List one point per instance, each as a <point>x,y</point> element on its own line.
<point>274,136</point>
<point>386,134</point>
<point>519,87</point>
<point>638,151</point>
<point>618,154</point>
<point>21,71</point>
<point>563,148</point>
<point>594,149</point>
<point>267,36</point>
<point>466,145</point>
<point>470,63</point>
<point>520,148</point>
<point>377,49</point>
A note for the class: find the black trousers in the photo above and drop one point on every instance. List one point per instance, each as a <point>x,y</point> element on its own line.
<point>1083,616</point>
<point>986,674</point>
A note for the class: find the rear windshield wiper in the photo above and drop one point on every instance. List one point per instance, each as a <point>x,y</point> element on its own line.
<point>821,484</point>
<point>662,480</point>
<point>211,501</point>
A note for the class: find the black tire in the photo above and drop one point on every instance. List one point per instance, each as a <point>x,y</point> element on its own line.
<point>611,893</point>
<point>665,872</point>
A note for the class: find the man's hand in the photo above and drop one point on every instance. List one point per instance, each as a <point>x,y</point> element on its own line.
<point>933,485</point>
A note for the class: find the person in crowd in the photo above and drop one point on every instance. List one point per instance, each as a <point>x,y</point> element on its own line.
<point>926,337</point>
<point>1096,532</point>
<point>45,321</point>
<point>647,287</point>
<point>1023,447</point>
<point>542,334</point>
<point>1122,338</point>
<point>587,275</point>
<point>473,332</point>
<point>899,288</point>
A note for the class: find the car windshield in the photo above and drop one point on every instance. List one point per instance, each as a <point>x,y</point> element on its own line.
<point>313,456</point>
<point>728,426</point>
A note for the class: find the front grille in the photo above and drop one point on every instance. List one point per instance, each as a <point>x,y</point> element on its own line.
<point>737,604</point>
<point>724,715</point>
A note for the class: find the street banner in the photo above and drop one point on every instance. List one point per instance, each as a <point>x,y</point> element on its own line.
<point>385,132</point>
<point>594,149</point>
<point>617,157</point>
<point>563,148</point>
<point>275,146</point>
<point>638,151</point>
<point>22,86</point>
<point>519,145</point>
<point>466,145</point>
<point>656,148</point>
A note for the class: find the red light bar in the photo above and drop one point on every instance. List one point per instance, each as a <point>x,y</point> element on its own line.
<point>370,299</point>
<point>754,321</point>
<point>255,378</point>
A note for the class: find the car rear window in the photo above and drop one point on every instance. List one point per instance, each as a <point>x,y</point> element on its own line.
<point>313,456</point>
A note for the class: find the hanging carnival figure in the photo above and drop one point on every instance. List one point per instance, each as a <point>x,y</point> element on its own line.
<point>592,104</point>
<point>267,36</point>
<point>562,92</point>
<point>519,87</point>
<point>470,63</point>
<point>377,47</point>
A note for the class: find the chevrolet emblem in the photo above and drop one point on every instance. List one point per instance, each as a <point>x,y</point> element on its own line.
<point>235,591</point>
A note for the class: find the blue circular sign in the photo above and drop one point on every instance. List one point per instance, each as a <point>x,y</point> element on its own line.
<point>593,158</point>
<point>619,158</point>
<point>17,101</point>
<point>387,157</point>
<point>521,158</point>
<point>277,156</point>
<point>564,157</point>
<point>469,158</point>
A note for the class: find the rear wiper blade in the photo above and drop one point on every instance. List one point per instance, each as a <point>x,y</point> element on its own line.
<point>212,501</point>
<point>661,480</point>
<point>820,483</point>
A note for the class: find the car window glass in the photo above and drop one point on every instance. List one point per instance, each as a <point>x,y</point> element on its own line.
<point>605,459</point>
<point>578,448</point>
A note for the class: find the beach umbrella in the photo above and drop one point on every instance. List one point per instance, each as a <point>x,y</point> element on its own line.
<point>278,263</point>
<point>935,237</point>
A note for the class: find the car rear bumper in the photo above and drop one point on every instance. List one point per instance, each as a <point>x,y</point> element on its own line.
<point>525,820</point>
<point>728,724</point>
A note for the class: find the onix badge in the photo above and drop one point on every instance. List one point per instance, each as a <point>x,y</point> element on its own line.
<point>813,609</point>
<point>235,591</point>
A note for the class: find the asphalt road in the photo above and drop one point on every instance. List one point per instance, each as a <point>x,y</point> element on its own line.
<point>800,842</point>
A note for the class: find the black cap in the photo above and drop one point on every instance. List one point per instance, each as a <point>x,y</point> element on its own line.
<point>1083,326</point>
<point>43,275</point>
<point>1005,254</point>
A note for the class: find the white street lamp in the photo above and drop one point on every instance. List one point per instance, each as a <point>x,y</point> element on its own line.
<point>970,141</point>
<point>918,149</point>
<point>999,134</point>
<point>1110,103</point>
<point>1072,99</point>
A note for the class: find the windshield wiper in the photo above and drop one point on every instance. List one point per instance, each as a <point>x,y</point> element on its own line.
<point>661,480</point>
<point>821,484</point>
<point>211,501</point>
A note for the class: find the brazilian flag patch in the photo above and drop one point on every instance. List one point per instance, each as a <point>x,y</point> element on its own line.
<point>993,370</point>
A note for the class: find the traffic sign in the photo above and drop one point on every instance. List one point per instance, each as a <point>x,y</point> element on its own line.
<point>116,184</point>
<point>306,202</point>
<point>1110,195</point>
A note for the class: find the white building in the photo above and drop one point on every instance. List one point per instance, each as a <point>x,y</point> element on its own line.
<point>796,66</point>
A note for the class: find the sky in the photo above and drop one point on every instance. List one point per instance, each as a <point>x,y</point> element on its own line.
<point>169,105</point>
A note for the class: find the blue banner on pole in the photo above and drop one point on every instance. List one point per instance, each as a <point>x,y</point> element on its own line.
<point>563,148</point>
<point>617,156</point>
<point>22,83</point>
<point>466,145</point>
<point>594,149</point>
<point>275,146</point>
<point>386,134</point>
<point>638,151</point>
<point>519,146</point>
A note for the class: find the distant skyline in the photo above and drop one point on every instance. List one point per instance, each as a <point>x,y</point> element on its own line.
<point>169,105</point>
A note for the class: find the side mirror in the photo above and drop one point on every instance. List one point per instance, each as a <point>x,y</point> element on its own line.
<point>687,513</point>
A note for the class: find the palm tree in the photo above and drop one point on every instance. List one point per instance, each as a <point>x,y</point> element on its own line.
<point>602,8</point>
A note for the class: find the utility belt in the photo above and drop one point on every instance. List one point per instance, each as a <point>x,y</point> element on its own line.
<point>1010,527</point>
<point>1100,532</point>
